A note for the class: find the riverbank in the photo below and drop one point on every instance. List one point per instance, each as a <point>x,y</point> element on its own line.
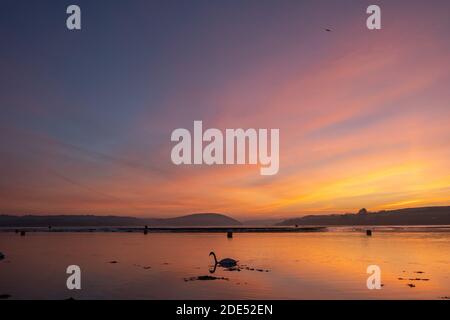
<point>169,229</point>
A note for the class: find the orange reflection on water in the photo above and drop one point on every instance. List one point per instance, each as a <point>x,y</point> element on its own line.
<point>326,265</point>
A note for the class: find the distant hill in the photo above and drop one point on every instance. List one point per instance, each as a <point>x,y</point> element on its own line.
<point>410,216</point>
<point>262,222</point>
<point>67,221</point>
<point>201,219</point>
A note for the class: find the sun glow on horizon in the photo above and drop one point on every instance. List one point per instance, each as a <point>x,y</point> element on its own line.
<point>363,116</point>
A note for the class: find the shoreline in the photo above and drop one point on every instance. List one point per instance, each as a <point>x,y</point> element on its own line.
<point>231,229</point>
<point>166,229</point>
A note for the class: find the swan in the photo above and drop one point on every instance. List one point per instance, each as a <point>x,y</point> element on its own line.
<point>225,263</point>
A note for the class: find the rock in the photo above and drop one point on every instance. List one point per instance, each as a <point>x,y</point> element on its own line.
<point>208,278</point>
<point>203,278</point>
<point>414,279</point>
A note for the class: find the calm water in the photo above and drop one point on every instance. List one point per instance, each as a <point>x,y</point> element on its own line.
<point>325,265</point>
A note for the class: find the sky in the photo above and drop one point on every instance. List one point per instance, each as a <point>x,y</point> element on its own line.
<point>86,116</point>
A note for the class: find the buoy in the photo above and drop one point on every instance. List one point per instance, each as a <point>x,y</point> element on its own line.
<point>369,232</point>
<point>229,234</point>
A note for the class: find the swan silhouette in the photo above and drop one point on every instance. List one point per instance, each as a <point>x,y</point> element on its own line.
<point>225,263</point>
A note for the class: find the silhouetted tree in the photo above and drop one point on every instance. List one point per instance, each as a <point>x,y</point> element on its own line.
<point>362,211</point>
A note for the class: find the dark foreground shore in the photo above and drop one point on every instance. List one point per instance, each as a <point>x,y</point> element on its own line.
<point>168,229</point>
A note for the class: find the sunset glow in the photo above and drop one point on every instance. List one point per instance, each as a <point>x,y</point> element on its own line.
<point>363,116</point>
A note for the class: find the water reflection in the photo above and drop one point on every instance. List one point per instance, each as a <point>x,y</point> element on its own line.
<point>330,265</point>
